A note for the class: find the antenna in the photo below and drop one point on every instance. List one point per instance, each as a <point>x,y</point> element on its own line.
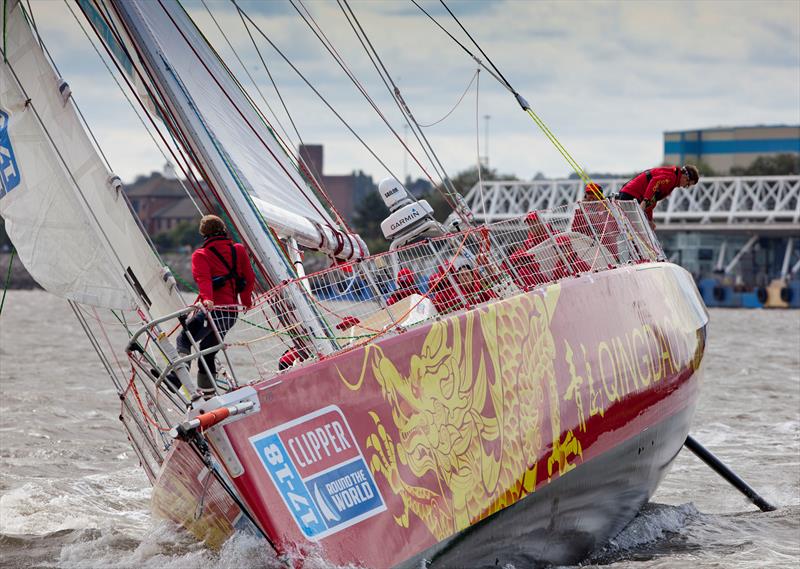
<point>405,153</point>
<point>486,140</point>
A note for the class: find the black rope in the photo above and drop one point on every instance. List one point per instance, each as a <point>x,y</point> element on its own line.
<point>483,53</point>
<point>316,92</point>
<point>450,194</point>
<point>462,46</point>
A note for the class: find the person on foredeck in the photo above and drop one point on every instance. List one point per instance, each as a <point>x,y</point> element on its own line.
<point>406,286</point>
<point>447,298</point>
<point>525,268</point>
<point>579,223</point>
<point>224,277</point>
<point>651,186</point>
<point>568,262</point>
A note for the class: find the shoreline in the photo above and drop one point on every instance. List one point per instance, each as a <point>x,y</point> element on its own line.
<point>179,263</point>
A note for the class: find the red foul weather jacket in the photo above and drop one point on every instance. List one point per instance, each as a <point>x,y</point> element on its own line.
<point>206,265</point>
<point>652,186</point>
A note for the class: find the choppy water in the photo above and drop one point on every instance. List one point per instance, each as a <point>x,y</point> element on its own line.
<point>72,494</point>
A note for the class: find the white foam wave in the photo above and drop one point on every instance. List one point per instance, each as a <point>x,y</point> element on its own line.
<point>44,506</point>
<point>652,524</point>
<point>165,546</point>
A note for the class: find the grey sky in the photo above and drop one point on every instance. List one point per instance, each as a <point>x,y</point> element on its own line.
<point>607,77</point>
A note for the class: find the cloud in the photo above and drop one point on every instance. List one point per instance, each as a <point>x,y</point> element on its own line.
<point>608,77</point>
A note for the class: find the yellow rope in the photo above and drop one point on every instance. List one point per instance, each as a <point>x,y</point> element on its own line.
<point>590,185</point>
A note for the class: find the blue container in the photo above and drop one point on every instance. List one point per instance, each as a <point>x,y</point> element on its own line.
<point>706,288</point>
<point>791,294</point>
<point>726,297</point>
<point>750,299</point>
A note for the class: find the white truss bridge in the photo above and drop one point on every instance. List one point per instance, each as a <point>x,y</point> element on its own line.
<point>760,205</point>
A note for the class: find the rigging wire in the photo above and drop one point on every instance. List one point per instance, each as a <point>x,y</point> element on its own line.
<point>5,26</point>
<point>495,72</point>
<point>461,98</point>
<point>314,178</point>
<point>505,81</point>
<point>453,197</point>
<point>326,42</point>
<point>130,103</point>
<point>314,89</point>
<point>363,90</point>
<point>478,138</point>
<point>452,37</point>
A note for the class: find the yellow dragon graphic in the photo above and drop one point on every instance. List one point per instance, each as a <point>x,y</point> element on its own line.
<point>469,414</point>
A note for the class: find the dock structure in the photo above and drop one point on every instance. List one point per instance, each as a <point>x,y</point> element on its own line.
<point>743,231</point>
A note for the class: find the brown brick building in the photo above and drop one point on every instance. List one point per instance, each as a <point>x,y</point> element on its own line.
<point>345,191</point>
<point>161,203</point>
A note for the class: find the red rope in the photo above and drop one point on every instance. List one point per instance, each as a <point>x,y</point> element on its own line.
<point>145,414</point>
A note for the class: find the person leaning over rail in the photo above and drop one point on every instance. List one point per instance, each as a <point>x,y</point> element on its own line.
<point>222,271</point>
<point>651,186</point>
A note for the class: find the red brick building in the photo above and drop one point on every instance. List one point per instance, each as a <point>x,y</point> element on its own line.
<point>345,191</point>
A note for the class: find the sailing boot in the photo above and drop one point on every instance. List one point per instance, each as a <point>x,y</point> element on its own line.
<point>205,384</point>
<point>179,381</point>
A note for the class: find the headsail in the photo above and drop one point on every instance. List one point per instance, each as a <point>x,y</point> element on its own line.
<point>64,211</point>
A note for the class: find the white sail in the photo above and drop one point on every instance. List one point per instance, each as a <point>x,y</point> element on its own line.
<point>63,210</point>
<point>228,140</point>
<point>252,152</point>
<point>238,151</point>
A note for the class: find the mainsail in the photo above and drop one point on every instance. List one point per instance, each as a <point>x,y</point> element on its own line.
<point>256,180</point>
<point>64,210</point>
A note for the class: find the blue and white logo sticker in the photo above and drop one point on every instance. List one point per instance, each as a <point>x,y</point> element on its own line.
<point>319,471</point>
<point>9,173</point>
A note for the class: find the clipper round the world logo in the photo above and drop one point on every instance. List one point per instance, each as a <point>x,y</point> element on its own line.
<point>9,173</point>
<point>320,473</point>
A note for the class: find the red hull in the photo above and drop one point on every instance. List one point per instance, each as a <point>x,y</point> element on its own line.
<point>383,454</point>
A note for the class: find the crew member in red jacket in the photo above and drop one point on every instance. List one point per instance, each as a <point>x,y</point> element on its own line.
<point>652,186</point>
<point>224,277</point>
<point>406,286</point>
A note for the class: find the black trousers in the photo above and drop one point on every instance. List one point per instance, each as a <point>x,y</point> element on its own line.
<point>624,197</point>
<point>204,335</point>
